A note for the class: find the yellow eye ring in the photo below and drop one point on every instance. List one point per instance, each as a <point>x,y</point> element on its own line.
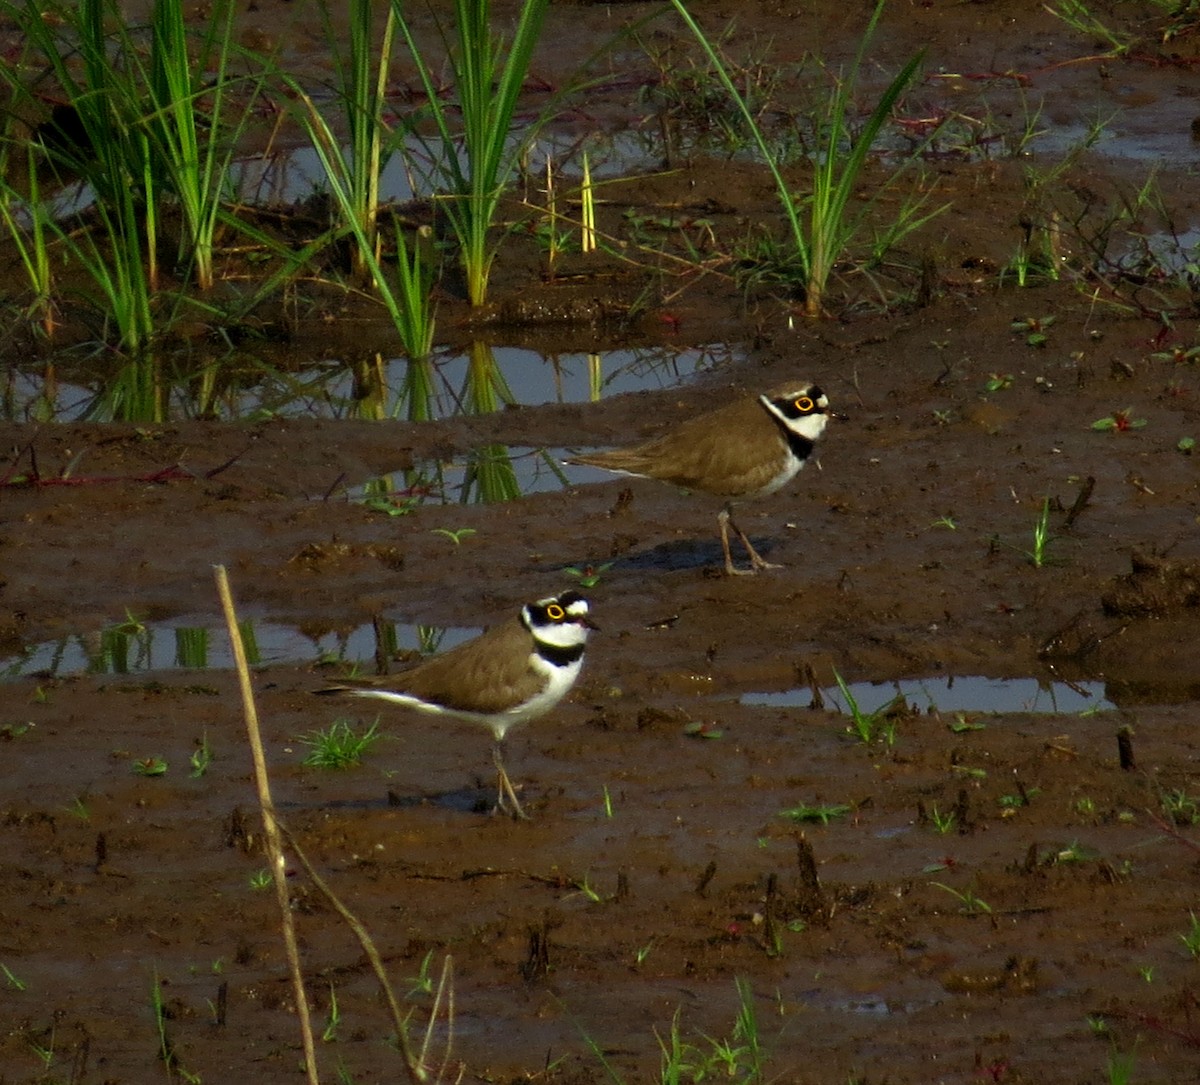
<point>555,613</point>
<point>804,404</point>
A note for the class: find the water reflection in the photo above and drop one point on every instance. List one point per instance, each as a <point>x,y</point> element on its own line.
<point>133,647</point>
<point>962,693</point>
<point>247,388</point>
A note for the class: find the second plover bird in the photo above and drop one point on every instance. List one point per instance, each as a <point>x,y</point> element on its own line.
<point>746,449</point>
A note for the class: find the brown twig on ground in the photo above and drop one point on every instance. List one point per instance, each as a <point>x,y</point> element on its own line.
<point>271,827</point>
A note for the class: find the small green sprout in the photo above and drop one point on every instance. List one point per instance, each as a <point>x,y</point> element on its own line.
<point>943,823</point>
<point>201,758</point>
<point>696,729</point>
<point>1191,938</point>
<point>1186,445</point>
<point>150,766</point>
<point>261,879</point>
<point>1034,329</point>
<point>1177,355</point>
<point>1118,422</point>
<point>998,382</point>
<point>971,904</point>
<point>455,537</point>
<point>961,724</point>
<point>13,981</point>
<point>823,813</point>
<point>588,575</point>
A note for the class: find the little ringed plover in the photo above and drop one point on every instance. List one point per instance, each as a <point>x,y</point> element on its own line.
<point>506,676</point>
<point>746,449</point>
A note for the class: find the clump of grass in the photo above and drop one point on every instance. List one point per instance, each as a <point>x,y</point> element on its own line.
<point>473,163</point>
<point>339,745</point>
<point>737,1057</point>
<point>869,727</point>
<point>816,245</point>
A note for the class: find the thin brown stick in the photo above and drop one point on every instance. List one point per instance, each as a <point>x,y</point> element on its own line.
<point>271,826</point>
<point>415,1065</point>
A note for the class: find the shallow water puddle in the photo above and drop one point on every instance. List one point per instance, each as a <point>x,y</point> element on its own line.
<point>139,648</point>
<point>970,693</point>
<point>481,380</point>
<point>487,474</point>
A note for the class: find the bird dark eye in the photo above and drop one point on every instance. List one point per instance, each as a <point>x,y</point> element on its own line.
<point>804,404</point>
<point>555,613</point>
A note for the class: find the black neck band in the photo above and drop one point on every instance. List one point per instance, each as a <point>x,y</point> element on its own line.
<point>560,655</point>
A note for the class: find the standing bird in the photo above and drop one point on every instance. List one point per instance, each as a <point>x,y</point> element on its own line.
<point>506,676</point>
<point>746,449</point>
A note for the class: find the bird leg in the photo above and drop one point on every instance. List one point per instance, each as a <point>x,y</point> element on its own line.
<point>506,795</point>
<point>725,519</point>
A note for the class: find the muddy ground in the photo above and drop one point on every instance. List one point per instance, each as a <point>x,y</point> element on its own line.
<point>1038,939</point>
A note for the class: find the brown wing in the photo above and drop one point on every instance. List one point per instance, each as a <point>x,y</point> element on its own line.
<point>484,675</point>
<point>721,452</point>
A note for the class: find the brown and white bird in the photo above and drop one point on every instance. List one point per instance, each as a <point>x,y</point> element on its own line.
<point>746,449</point>
<point>504,677</point>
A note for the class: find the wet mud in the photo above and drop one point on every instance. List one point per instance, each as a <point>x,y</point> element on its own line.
<point>989,896</point>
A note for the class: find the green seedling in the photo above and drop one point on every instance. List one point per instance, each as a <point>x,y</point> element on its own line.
<point>639,957</point>
<point>329,1032</point>
<point>1186,445</point>
<point>1119,422</point>
<point>947,522</point>
<point>1085,807</point>
<point>1080,17</point>
<point>608,803</point>
<point>587,576</point>
<point>1042,538</point>
<point>1180,807</point>
<point>1120,1066</point>
<point>13,982</point>
<point>1075,853</point>
<point>998,382</point>
<point>1146,971</point>
<point>422,982</point>
<point>43,1049</point>
<point>1018,800</point>
<point>201,758</point>
<point>971,904</point>
<point>1191,937</point>
<point>455,536</point>
<point>870,726</point>
<point>150,766</point>
<point>943,823</point>
<point>823,813</point>
<point>392,504</point>
<point>962,724</point>
<point>1034,329</point>
<point>696,729</point>
<point>338,746</point>
<point>1177,355</point>
<point>261,879</point>
<point>586,889</point>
